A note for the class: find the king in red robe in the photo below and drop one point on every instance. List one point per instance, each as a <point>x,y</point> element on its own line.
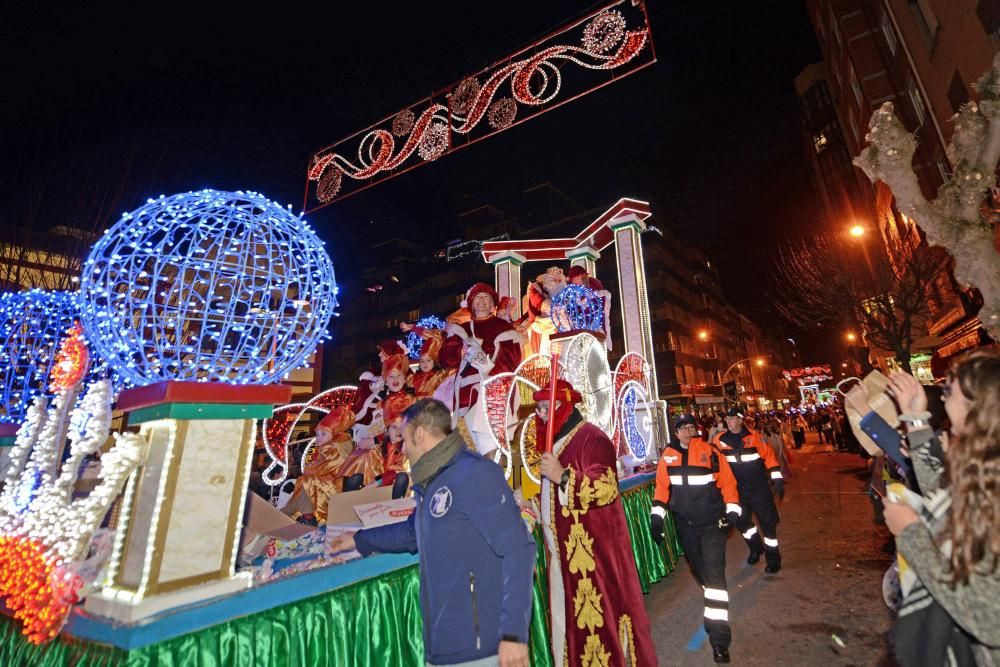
<point>595,600</point>
<point>477,349</point>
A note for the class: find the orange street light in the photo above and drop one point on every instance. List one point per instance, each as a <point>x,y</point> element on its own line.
<point>851,337</point>
<point>857,231</point>
<point>760,362</point>
<point>702,335</point>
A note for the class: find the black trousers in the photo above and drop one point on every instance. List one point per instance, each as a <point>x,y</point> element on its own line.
<point>705,548</point>
<point>758,500</point>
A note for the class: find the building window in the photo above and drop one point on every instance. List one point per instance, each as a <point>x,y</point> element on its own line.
<point>989,15</point>
<point>413,315</point>
<point>958,94</point>
<point>918,102</point>
<point>926,20</point>
<point>889,32</point>
<point>820,142</point>
<point>671,343</point>
<point>856,87</point>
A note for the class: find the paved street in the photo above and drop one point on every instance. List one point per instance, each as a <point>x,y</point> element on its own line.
<point>829,586</point>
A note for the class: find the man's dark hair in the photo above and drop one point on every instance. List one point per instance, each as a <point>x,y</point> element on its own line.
<point>431,414</point>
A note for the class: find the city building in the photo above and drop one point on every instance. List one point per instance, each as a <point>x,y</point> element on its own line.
<point>921,55</point>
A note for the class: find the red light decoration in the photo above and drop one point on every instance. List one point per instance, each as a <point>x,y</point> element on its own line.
<point>27,588</point>
<point>72,361</point>
<point>615,40</point>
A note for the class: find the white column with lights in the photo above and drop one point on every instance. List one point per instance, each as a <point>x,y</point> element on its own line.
<point>507,277</point>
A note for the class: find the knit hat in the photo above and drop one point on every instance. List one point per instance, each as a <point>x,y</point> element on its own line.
<point>479,288</point>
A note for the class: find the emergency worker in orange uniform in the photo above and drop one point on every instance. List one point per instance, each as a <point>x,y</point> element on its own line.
<point>754,465</point>
<point>694,481</point>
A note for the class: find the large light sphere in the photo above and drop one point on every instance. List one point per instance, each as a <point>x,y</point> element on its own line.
<point>208,286</point>
<point>577,308</point>
<point>32,324</point>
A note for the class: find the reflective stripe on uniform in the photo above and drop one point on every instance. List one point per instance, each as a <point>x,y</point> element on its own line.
<point>659,511</point>
<point>733,507</point>
<point>750,457</point>
<point>769,542</point>
<point>731,459</point>
<point>776,474</point>
<point>716,594</point>
<point>750,533</point>
<point>693,480</point>
<point>717,614</point>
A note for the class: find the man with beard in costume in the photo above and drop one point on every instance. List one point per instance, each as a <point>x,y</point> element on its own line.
<point>482,347</point>
<point>598,617</point>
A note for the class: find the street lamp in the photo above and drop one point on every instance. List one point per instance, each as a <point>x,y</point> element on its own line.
<point>702,335</point>
<point>850,337</point>
<point>857,231</point>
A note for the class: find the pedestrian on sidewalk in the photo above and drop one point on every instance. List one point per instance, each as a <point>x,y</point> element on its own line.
<point>799,430</point>
<point>951,615</point>
<point>695,482</point>
<point>477,558</point>
<point>754,465</point>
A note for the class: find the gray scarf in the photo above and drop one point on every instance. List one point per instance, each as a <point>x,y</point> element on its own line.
<point>425,469</point>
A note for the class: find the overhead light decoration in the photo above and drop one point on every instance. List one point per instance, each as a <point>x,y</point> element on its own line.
<point>614,39</point>
<point>208,286</point>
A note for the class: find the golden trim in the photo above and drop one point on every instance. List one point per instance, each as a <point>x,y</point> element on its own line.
<point>185,582</point>
<point>240,481</point>
<point>166,505</point>
<point>627,638</point>
<point>135,480</point>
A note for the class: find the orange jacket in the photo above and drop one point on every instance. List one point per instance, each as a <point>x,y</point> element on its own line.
<point>753,461</point>
<point>696,483</point>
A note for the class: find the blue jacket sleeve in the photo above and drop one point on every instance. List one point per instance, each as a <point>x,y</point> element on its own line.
<point>885,436</point>
<point>394,538</point>
<point>497,517</point>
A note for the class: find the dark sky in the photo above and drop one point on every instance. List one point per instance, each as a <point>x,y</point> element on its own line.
<point>106,106</point>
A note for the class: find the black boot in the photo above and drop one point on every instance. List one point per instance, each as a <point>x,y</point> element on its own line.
<point>773,560</point>
<point>354,482</point>
<point>753,557</point>
<point>720,654</point>
<point>400,485</point>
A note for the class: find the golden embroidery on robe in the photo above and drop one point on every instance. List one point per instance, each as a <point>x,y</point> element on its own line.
<point>587,606</point>
<point>626,639</point>
<point>580,550</point>
<point>594,654</point>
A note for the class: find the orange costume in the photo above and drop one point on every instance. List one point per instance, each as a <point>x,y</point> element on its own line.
<point>426,382</point>
<point>320,477</point>
<point>394,458</point>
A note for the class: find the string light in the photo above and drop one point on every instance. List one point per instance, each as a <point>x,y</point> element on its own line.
<point>577,308</point>
<point>630,432</point>
<point>414,343</point>
<point>71,362</point>
<point>606,45</point>
<point>208,286</point>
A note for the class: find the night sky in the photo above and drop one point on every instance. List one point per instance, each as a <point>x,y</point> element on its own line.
<point>104,107</point>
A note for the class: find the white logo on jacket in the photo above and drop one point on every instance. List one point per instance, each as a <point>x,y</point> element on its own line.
<point>440,502</point>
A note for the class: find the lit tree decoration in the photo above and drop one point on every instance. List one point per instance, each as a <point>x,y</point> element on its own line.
<point>414,343</point>
<point>434,142</point>
<point>463,96</point>
<point>502,113</point>
<point>577,308</point>
<point>603,32</point>
<point>208,286</point>
<point>44,532</point>
<point>403,123</point>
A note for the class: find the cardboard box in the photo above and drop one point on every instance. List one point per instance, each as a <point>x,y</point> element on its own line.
<point>341,512</point>
<point>385,512</point>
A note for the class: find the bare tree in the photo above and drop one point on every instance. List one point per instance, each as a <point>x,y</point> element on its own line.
<point>953,219</point>
<point>836,282</point>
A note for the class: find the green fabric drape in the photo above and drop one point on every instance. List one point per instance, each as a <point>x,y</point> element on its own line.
<point>373,622</point>
<point>652,560</point>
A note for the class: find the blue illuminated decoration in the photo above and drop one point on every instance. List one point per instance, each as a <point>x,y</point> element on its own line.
<point>630,429</point>
<point>414,343</point>
<point>32,324</point>
<point>577,308</point>
<point>208,286</point>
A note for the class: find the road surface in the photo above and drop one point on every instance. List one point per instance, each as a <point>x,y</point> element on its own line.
<point>829,587</point>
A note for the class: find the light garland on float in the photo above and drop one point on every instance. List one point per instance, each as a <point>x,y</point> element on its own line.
<point>577,308</point>
<point>535,82</point>
<point>44,532</point>
<point>208,285</point>
<point>629,429</point>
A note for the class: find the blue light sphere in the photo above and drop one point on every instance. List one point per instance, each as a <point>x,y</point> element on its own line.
<point>32,325</point>
<point>208,286</point>
<point>577,308</point>
<point>414,342</point>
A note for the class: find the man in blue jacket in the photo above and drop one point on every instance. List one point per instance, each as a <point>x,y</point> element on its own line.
<point>477,558</point>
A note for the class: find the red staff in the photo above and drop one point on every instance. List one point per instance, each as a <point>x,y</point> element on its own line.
<point>550,422</point>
